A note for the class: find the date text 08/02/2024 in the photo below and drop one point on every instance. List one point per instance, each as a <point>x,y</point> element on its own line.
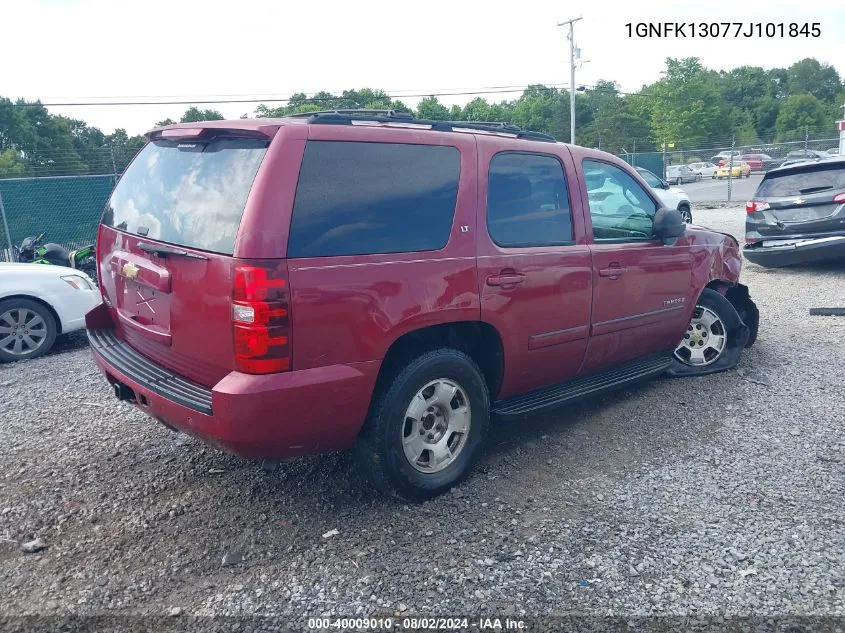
<point>723,29</point>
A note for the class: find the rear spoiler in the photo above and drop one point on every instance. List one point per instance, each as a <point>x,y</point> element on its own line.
<point>204,133</point>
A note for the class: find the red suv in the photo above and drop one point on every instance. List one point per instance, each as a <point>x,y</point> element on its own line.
<point>288,286</point>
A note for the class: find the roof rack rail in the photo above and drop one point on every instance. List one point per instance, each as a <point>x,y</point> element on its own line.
<point>346,117</point>
<point>354,112</point>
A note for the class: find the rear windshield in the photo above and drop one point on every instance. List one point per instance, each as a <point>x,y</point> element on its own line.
<point>817,179</point>
<point>187,193</point>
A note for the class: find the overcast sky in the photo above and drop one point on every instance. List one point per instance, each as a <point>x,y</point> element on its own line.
<point>70,50</point>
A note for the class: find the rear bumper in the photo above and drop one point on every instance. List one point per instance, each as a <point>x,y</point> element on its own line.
<point>801,251</point>
<point>272,415</point>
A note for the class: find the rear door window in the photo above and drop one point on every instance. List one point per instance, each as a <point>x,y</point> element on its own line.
<point>365,198</point>
<point>803,182</point>
<point>527,201</point>
<point>187,193</point>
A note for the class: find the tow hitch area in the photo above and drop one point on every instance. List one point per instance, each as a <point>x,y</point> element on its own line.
<point>123,392</point>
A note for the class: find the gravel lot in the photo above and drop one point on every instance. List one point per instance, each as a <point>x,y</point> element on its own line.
<point>715,495</point>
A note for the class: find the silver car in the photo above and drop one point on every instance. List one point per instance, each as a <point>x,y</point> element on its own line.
<point>679,174</point>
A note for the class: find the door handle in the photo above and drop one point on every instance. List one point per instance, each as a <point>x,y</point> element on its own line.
<point>613,271</point>
<point>505,279</point>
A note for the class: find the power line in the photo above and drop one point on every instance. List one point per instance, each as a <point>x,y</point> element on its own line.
<point>396,93</point>
<point>274,100</point>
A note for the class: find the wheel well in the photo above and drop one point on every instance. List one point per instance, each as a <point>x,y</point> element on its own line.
<point>683,205</point>
<point>46,305</point>
<point>719,286</point>
<point>480,341</point>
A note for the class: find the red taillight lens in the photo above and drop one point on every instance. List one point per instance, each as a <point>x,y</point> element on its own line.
<point>753,206</point>
<point>839,199</point>
<point>260,318</point>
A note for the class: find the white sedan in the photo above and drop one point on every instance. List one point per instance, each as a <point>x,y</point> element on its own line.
<point>706,170</point>
<point>39,302</point>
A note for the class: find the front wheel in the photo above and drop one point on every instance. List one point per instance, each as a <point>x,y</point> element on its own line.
<point>714,338</point>
<point>426,427</point>
<point>686,213</point>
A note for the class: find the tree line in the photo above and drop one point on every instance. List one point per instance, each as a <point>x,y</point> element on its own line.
<point>689,106</point>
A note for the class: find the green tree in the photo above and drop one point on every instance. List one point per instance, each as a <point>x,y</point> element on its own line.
<point>810,76</point>
<point>687,107</point>
<point>797,113</point>
<point>12,164</point>
<point>431,108</point>
<point>194,114</point>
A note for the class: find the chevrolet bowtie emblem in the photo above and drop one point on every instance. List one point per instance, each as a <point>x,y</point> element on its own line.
<point>130,270</point>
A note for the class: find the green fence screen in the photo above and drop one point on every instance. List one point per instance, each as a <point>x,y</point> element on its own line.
<point>66,209</point>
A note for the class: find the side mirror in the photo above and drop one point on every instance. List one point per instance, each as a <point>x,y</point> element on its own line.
<point>668,225</point>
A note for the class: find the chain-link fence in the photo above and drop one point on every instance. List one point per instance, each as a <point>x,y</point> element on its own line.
<point>735,184</point>
<point>58,192</point>
<point>65,208</point>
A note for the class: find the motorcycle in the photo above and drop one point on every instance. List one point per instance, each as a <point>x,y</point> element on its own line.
<point>32,251</point>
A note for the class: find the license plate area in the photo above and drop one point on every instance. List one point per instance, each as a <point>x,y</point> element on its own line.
<point>146,305</point>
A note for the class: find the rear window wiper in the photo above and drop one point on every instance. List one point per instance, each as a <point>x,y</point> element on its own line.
<point>164,251</point>
<point>815,189</point>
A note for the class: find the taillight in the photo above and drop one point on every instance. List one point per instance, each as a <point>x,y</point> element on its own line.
<point>839,199</point>
<point>261,318</point>
<point>755,205</point>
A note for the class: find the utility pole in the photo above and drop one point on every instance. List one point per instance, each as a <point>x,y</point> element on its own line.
<point>571,24</point>
<point>731,167</point>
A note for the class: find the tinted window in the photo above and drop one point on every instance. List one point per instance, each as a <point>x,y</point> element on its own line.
<point>191,194</point>
<point>819,178</point>
<point>362,198</point>
<point>619,207</point>
<point>527,201</point>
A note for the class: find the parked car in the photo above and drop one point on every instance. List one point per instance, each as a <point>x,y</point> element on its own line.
<point>740,169</point>
<point>343,279</point>
<point>758,162</point>
<point>705,170</point>
<point>680,174</point>
<point>797,215</point>
<point>718,158</point>
<point>805,154</point>
<point>670,197</point>
<point>39,303</point>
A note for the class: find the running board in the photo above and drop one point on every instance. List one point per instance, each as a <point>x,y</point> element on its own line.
<point>553,396</point>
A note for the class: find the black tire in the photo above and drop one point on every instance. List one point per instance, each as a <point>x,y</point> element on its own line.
<point>50,329</point>
<point>686,212</point>
<point>379,448</point>
<point>736,333</point>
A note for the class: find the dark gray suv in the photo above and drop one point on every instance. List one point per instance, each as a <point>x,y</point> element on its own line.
<point>797,214</point>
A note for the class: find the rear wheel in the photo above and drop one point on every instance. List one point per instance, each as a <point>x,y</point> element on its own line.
<point>686,213</point>
<point>427,426</point>
<point>27,329</point>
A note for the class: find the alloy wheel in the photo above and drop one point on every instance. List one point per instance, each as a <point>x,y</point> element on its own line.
<point>22,331</point>
<point>705,338</point>
<point>436,425</point>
